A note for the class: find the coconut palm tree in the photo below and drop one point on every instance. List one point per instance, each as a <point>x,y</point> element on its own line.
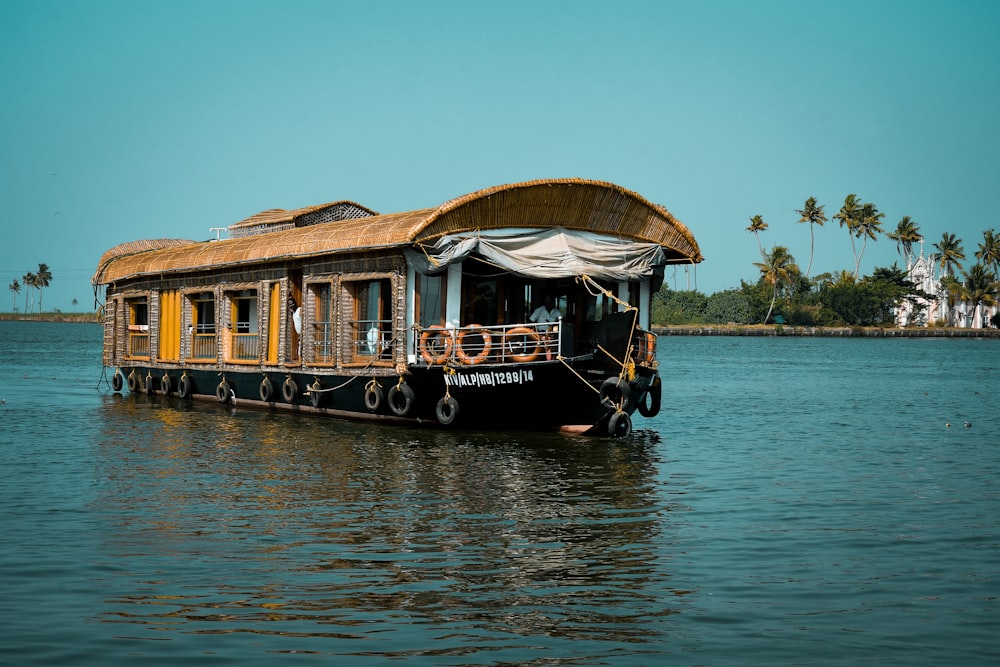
<point>952,253</point>
<point>848,216</point>
<point>778,269</point>
<point>989,250</point>
<point>980,287</point>
<point>869,227</point>
<point>15,289</point>
<point>29,282</point>
<point>814,215</point>
<point>907,233</point>
<point>42,279</point>
<point>757,225</point>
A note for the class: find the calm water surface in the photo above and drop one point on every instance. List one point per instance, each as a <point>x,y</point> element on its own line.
<point>798,501</point>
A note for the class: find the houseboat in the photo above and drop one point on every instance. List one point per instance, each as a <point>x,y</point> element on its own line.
<point>522,306</point>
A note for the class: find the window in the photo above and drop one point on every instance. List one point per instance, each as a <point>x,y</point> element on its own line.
<point>138,327</point>
<point>371,329</point>
<point>203,326</point>
<point>323,344</point>
<point>245,336</point>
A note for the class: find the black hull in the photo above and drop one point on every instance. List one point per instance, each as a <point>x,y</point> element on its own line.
<point>575,395</point>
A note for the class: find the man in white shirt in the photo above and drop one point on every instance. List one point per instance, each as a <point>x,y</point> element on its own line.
<point>547,312</point>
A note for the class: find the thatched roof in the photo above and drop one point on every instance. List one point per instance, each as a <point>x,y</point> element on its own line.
<point>571,203</point>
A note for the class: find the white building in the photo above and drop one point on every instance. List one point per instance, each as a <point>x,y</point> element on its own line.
<point>924,275</point>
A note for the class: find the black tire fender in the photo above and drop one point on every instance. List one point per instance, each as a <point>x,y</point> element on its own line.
<point>267,390</point>
<point>185,386</point>
<point>619,425</point>
<point>289,390</point>
<point>446,410</point>
<point>401,392</point>
<point>373,397</point>
<point>616,390</point>
<point>649,406</point>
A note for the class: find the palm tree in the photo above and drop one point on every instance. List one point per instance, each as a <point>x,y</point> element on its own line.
<point>42,279</point>
<point>952,253</point>
<point>848,216</point>
<point>757,225</point>
<point>814,215</point>
<point>29,282</point>
<point>778,269</point>
<point>989,250</point>
<point>980,287</point>
<point>907,233</point>
<point>869,227</point>
<point>15,289</point>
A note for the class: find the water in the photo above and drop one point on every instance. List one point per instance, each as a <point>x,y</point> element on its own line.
<point>797,501</point>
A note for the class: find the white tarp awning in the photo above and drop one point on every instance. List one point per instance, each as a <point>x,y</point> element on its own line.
<point>545,253</point>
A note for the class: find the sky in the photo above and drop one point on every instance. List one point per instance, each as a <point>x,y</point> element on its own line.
<point>130,119</point>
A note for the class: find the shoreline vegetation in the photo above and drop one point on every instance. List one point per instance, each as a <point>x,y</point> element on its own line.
<point>679,329</point>
<point>825,332</point>
<point>88,318</point>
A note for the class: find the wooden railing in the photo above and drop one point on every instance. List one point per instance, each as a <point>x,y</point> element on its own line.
<point>138,345</point>
<point>246,347</point>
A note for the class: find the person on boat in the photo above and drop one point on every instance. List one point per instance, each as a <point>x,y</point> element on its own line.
<point>296,310</point>
<point>545,313</point>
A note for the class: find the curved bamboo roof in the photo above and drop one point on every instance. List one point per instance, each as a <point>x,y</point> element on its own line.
<point>570,203</point>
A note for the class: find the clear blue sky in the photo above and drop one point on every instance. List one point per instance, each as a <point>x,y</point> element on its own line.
<point>125,119</point>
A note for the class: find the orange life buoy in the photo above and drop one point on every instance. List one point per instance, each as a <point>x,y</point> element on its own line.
<point>435,345</point>
<point>487,345</point>
<point>647,347</point>
<point>518,349</point>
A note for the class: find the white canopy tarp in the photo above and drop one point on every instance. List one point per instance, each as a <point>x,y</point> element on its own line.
<point>545,253</point>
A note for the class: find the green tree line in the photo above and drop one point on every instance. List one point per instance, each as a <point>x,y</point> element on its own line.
<point>782,292</point>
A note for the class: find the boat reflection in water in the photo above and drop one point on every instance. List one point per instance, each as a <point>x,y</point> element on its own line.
<point>445,542</point>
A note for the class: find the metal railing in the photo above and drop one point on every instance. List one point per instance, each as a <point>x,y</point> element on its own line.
<point>500,344</point>
<point>370,338</point>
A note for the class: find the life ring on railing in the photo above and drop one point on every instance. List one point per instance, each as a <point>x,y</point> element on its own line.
<point>509,344</point>
<point>401,392</point>
<point>133,383</point>
<point>464,356</point>
<point>185,386</point>
<point>649,406</point>
<point>315,395</point>
<point>646,352</point>
<point>431,340</point>
<point>223,392</point>
<point>619,425</point>
<point>166,387</point>
<point>289,389</point>
<point>147,385</point>
<point>446,410</point>
<point>373,397</point>
<point>117,381</point>
<point>616,390</point>
<point>266,390</point>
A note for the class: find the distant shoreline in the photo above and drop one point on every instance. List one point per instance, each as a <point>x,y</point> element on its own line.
<point>759,330</point>
<point>86,318</point>
<point>776,330</point>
